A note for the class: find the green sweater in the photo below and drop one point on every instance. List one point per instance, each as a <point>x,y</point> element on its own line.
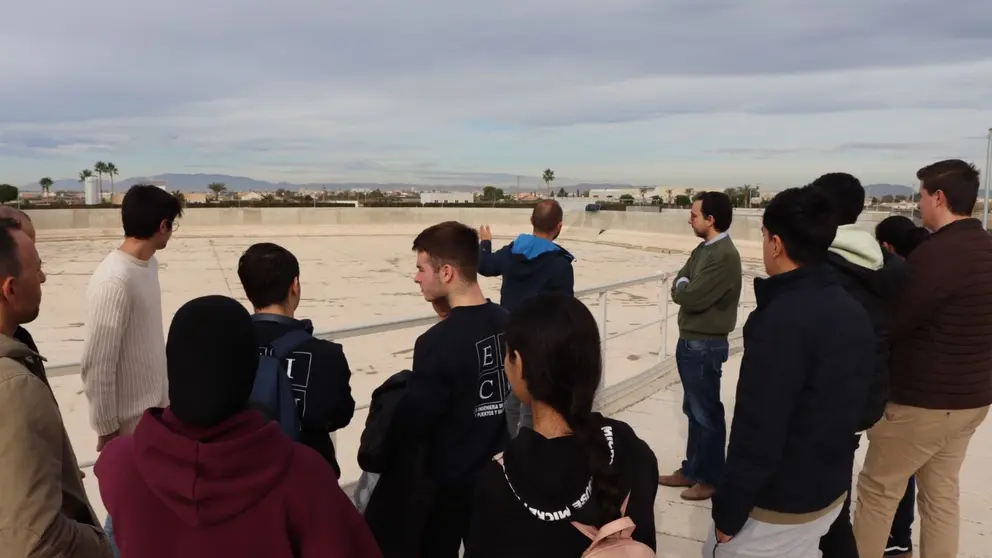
<point>709,298</point>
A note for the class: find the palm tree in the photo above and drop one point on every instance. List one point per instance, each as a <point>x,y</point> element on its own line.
<point>549,177</point>
<point>46,185</point>
<point>111,170</point>
<point>84,174</point>
<point>99,168</point>
<point>644,194</point>
<point>689,192</point>
<point>217,188</point>
<point>669,192</point>
<point>178,195</point>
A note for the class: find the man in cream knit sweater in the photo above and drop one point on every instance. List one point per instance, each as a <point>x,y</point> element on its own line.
<point>123,365</point>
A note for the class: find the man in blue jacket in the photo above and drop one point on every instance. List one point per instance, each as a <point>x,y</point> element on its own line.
<point>530,265</point>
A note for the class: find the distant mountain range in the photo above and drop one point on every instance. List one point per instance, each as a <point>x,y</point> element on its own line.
<point>199,182</point>
<point>881,190</point>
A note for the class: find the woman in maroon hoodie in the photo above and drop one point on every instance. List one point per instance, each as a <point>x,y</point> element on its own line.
<point>208,477</point>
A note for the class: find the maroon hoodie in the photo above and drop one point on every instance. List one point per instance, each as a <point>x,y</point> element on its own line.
<point>239,489</point>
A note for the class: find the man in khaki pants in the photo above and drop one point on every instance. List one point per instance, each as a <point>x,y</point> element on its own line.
<point>941,370</point>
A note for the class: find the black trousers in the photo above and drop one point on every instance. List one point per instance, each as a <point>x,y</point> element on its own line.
<point>447,523</point>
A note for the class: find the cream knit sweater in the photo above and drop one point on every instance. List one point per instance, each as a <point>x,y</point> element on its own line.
<point>123,366</point>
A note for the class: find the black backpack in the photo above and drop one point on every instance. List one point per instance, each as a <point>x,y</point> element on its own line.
<point>272,393</point>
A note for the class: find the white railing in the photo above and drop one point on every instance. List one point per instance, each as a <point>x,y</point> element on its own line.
<point>601,292</point>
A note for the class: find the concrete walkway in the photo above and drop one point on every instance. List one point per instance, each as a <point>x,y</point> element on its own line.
<point>682,526</point>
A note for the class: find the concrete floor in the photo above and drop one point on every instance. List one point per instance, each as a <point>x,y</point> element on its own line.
<point>682,526</point>
<point>364,274</point>
<point>349,277</point>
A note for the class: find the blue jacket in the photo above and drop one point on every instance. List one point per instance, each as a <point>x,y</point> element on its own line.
<point>529,265</point>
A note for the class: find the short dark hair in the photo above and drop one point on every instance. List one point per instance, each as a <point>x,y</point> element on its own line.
<point>145,207</point>
<point>957,179</point>
<point>267,271</point>
<point>546,216</point>
<point>845,192</point>
<point>451,243</point>
<point>901,233</point>
<point>10,259</point>
<point>717,205</point>
<point>805,220</point>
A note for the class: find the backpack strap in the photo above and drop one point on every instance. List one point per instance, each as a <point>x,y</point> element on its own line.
<point>612,528</point>
<point>282,320</point>
<point>283,345</point>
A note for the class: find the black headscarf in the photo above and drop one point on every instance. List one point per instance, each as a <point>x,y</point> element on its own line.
<point>212,357</point>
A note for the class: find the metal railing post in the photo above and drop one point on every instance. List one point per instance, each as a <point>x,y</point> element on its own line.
<point>603,332</point>
<point>663,354</point>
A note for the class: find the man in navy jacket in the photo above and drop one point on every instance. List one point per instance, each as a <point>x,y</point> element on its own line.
<point>809,354</point>
<point>530,265</point>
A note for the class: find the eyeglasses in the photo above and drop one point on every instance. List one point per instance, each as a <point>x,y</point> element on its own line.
<point>173,226</point>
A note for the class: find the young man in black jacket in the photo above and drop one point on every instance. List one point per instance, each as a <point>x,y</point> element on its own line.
<point>808,359</point>
<point>455,393</point>
<point>873,277</point>
<point>530,265</point>
<point>318,369</point>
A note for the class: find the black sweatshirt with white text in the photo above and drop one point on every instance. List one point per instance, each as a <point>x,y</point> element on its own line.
<point>321,382</point>
<point>454,397</point>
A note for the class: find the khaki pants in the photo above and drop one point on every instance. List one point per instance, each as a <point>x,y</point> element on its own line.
<point>930,444</point>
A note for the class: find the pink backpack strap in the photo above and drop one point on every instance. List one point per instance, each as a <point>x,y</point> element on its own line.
<point>612,528</point>
<point>586,530</point>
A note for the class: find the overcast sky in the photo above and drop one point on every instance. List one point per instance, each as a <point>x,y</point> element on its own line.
<point>675,92</point>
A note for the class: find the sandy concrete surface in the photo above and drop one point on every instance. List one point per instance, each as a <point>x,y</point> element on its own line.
<point>350,275</point>
<point>362,273</point>
<point>682,526</point>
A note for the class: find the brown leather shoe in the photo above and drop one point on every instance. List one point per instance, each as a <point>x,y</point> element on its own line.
<point>698,492</point>
<point>675,480</point>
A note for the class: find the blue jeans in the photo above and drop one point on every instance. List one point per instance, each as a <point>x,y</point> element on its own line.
<point>108,527</point>
<point>700,367</point>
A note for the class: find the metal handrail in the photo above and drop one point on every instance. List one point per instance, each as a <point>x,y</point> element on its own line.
<point>360,330</point>
<point>405,323</point>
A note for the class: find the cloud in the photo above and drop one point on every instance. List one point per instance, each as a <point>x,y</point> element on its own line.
<point>630,90</point>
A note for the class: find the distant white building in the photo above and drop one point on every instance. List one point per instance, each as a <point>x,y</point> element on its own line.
<point>614,193</point>
<point>447,197</point>
<point>91,190</point>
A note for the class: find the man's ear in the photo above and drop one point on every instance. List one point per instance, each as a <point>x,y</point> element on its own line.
<point>447,273</point>
<point>7,287</point>
<point>778,249</point>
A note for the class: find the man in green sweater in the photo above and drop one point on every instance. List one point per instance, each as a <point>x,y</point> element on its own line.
<point>708,289</point>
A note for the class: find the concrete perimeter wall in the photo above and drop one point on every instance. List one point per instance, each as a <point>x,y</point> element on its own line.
<point>746,226</point>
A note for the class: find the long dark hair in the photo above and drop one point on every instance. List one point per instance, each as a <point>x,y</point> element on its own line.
<point>558,340</point>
